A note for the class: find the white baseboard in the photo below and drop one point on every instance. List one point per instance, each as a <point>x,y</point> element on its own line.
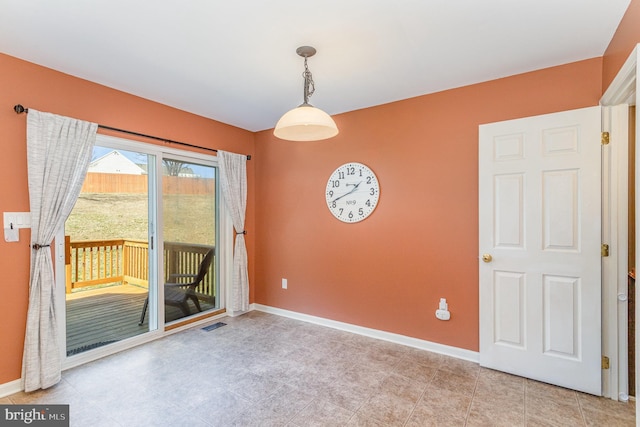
<point>10,388</point>
<point>456,352</point>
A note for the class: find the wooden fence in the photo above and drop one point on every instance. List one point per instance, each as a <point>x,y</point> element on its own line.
<point>97,182</point>
<point>98,262</point>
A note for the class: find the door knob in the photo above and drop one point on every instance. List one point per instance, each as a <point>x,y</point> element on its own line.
<point>487,258</point>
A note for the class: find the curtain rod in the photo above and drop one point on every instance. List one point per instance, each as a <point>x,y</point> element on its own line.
<point>19,109</point>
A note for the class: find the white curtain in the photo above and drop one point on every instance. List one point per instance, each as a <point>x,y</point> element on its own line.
<point>233,180</point>
<point>59,150</point>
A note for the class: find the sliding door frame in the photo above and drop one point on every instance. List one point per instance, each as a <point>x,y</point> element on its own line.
<point>224,256</point>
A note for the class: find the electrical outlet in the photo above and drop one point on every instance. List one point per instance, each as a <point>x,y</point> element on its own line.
<point>284,283</point>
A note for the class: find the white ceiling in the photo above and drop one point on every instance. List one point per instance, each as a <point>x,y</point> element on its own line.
<point>235,61</point>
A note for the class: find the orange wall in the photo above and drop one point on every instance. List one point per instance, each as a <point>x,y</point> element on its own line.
<point>624,40</point>
<point>421,243</point>
<point>47,90</point>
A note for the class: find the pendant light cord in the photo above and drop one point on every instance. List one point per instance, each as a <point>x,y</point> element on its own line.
<point>309,86</point>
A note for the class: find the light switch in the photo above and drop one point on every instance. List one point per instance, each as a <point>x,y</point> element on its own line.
<point>17,220</point>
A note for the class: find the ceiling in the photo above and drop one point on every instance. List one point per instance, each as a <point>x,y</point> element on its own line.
<point>235,61</point>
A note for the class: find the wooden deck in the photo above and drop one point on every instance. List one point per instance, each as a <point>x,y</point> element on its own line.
<point>102,316</point>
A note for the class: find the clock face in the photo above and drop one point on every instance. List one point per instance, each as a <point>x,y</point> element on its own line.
<point>352,192</point>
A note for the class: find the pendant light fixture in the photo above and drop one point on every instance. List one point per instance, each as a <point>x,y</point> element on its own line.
<point>306,122</point>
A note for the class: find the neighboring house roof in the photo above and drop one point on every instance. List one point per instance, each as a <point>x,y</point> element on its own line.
<point>115,162</point>
<point>185,172</point>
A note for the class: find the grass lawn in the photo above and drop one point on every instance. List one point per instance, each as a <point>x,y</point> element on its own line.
<point>102,216</point>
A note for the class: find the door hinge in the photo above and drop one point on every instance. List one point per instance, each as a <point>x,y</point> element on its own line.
<point>605,362</point>
<point>604,140</point>
<point>604,250</point>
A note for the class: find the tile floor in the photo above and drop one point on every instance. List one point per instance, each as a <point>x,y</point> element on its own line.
<point>265,370</point>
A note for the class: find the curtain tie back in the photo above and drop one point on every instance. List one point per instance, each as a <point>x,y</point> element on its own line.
<point>242,232</point>
<point>38,246</point>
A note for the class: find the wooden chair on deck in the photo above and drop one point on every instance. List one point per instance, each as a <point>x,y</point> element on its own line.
<point>179,294</point>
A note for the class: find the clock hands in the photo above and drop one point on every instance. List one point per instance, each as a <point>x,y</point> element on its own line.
<point>355,187</point>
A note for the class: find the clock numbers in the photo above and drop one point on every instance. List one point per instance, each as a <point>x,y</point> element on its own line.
<point>352,192</point>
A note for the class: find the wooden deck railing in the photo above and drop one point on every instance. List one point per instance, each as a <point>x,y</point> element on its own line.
<point>94,262</point>
<point>98,262</point>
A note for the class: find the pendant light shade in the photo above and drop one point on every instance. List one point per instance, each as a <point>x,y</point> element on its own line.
<point>306,122</point>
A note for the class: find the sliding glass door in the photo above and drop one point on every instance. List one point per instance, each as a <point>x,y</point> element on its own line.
<point>109,250</point>
<point>189,238</point>
<point>139,252</point>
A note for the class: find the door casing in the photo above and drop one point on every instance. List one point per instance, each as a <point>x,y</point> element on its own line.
<point>621,92</point>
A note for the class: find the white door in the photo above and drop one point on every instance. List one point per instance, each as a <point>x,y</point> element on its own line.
<point>540,259</point>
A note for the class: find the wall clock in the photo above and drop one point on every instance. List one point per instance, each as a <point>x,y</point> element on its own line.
<point>352,192</point>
